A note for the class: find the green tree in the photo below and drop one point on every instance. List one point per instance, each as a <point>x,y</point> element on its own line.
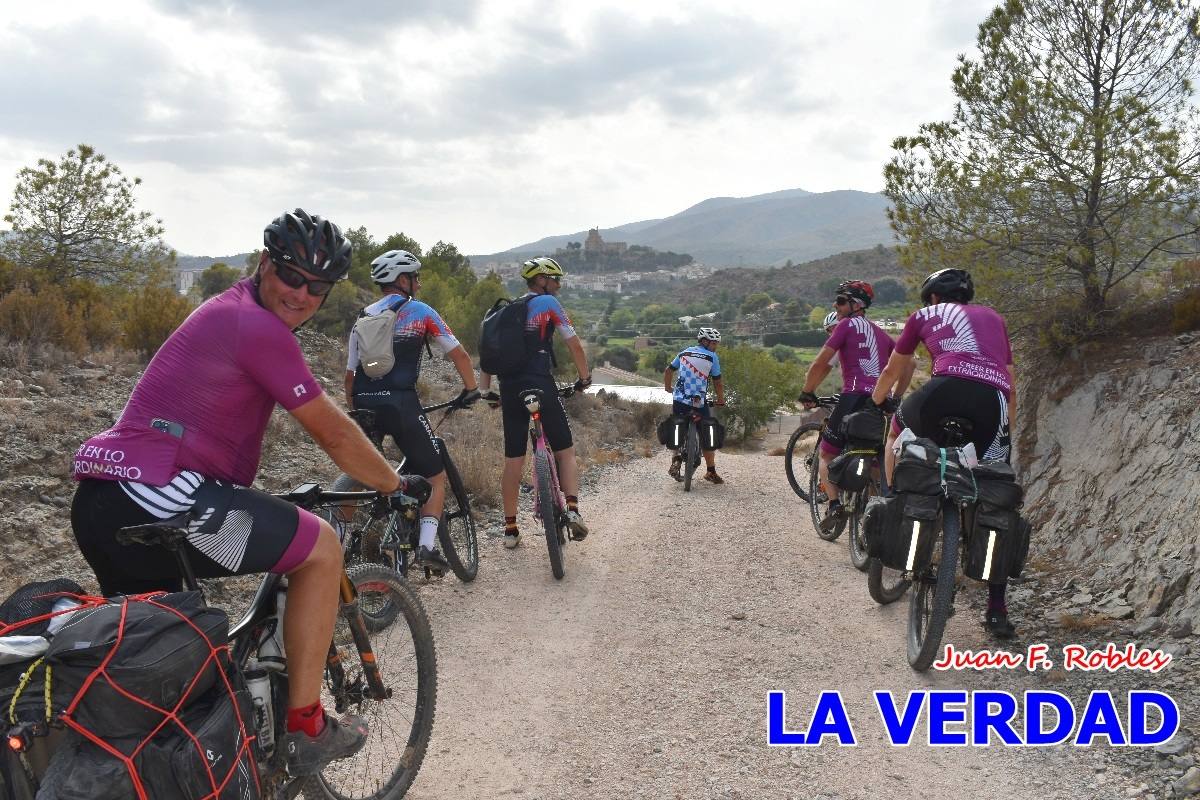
<point>216,279</point>
<point>622,323</point>
<point>1071,161</point>
<point>755,385</point>
<point>620,357</point>
<point>783,353</point>
<point>888,291</point>
<point>78,219</point>
<point>755,302</point>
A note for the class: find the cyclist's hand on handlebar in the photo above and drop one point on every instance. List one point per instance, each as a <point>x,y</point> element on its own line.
<point>492,398</point>
<point>808,399</point>
<point>889,405</point>
<point>467,398</point>
<point>412,487</point>
<point>583,383</point>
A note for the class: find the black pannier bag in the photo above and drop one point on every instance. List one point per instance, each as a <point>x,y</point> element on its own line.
<point>670,431</point>
<point>163,650</point>
<point>919,470</point>
<point>901,530</point>
<point>998,537</point>
<point>28,612</point>
<point>851,471</point>
<point>712,434</point>
<point>864,429</point>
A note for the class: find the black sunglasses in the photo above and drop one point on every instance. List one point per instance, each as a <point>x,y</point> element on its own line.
<point>293,278</point>
<point>841,300</point>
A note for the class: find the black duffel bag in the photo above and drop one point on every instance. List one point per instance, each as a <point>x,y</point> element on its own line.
<point>901,530</point>
<point>712,434</point>
<point>850,471</point>
<point>165,651</point>
<point>670,430</point>
<point>998,536</point>
<point>920,470</point>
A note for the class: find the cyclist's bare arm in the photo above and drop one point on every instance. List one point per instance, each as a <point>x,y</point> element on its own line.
<point>462,362</point>
<point>905,379</point>
<point>349,388</point>
<point>897,367</point>
<point>719,388</point>
<point>577,355</point>
<point>668,378</point>
<point>345,443</point>
<point>818,369</point>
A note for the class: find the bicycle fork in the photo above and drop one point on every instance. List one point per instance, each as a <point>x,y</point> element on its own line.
<point>375,689</point>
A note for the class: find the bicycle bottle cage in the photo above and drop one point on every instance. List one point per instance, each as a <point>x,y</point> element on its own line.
<point>532,398</point>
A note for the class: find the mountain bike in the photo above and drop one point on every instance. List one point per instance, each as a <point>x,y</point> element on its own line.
<point>690,449</point>
<point>803,469</point>
<point>549,506</point>
<point>932,601</point>
<point>393,540</point>
<point>380,666</point>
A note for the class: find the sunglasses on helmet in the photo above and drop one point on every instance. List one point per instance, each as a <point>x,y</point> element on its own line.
<point>293,278</point>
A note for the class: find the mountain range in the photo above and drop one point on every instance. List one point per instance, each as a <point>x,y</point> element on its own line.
<point>761,230</point>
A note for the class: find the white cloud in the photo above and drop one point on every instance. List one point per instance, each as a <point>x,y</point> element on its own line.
<point>484,123</point>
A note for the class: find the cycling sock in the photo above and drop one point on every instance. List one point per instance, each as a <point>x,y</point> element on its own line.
<point>429,526</point>
<point>510,524</point>
<point>310,719</point>
<point>996,592</point>
<point>572,503</point>
<point>712,468</point>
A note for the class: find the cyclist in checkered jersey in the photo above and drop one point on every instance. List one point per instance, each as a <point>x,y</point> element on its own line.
<point>696,367</point>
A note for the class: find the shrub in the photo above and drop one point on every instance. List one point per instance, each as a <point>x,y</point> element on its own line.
<point>755,385</point>
<point>1185,314</point>
<point>152,313</point>
<point>42,317</point>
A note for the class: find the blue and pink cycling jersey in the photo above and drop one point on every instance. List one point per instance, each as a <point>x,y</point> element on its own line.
<point>416,323</point>
<point>965,341</point>
<point>695,367</point>
<point>863,350</point>
<point>543,316</point>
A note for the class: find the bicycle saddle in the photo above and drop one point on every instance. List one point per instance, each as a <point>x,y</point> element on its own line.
<point>169,533</point>
<point>953,432</point>
<point>532,398</point>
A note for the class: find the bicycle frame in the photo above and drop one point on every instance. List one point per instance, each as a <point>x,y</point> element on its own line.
<point>537,438</point>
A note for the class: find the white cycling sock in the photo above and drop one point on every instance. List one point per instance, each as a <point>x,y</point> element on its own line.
<point>429,526</point>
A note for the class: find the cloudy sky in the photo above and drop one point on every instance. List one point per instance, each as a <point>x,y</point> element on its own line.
<point>487,123</point>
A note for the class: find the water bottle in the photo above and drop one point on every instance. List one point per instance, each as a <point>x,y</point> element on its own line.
<point>271,652</point>
<point>259,684</point>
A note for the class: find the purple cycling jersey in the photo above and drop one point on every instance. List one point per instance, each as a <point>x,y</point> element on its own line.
<point>205,399</point>
<point>863,350</point>
<point>965,341</point>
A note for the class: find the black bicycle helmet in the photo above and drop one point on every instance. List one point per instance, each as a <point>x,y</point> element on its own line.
<point>948,284</point>
<point>311,243</point>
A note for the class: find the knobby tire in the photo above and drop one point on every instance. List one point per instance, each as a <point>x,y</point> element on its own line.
<point>856,506</point>
<point>929,604</point>
<point>885,585</point>
<point>548,510</point>
<point>691,459</point>
<point>797,473</point>
<point>401,725</point>
<point>456,530</point>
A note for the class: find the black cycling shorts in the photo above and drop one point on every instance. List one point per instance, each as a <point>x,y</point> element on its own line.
<point>399,415</point>
<point>945,396</point>
<point>237,531</point>
<point>833,441</point>
<point>516,416</point>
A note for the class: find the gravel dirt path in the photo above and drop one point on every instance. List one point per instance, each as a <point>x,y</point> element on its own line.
<point>645,672</point>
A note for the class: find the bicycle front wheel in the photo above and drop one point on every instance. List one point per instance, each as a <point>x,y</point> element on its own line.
<point>886,585</point>
<point>401,724</point>
<point>691,458</point>
<point>456,530</point>
<point>548,510</point>
<point>795,459</point>
<point>929,605</point>
<point>856,505</point>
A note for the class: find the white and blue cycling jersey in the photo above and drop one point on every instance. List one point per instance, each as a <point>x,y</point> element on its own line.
<point>416,323</point>
<point>694,367</point>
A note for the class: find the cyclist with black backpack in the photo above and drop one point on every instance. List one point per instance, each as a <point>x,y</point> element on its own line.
<point>516,345</point>
<point>381,375</point>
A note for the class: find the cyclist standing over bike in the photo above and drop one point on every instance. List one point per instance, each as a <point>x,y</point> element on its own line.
<point>697,366</point>
<point>544,315</point>
<point>863,348</point>
<point>393,396</point>
<point>189,442</point>
<point>973,378</point>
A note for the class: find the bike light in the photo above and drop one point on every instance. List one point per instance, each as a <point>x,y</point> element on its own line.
<point>17,743</point>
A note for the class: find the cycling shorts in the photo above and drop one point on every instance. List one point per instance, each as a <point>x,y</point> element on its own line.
<point>516,416</point>
<point>398,415</point>
<point>945,396</point>
<point>235,531</point>
<point>833,441</point>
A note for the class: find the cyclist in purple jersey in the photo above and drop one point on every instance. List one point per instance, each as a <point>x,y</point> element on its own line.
<point>862,348</point>
<point>972,378</point>
<point>543,316</point>
<point>187,447</point>
<point>393,397</point>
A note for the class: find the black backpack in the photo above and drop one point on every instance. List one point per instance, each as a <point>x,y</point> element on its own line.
<point>503,347</point>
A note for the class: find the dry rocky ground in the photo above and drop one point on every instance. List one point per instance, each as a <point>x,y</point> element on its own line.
<point>645,672</point>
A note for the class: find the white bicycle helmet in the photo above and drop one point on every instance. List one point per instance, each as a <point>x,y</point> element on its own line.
<point>831,321</point>
<point>712,334</point>
<point>392,265</point>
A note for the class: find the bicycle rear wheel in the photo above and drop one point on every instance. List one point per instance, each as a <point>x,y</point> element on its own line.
<point>929,605</point>
<point>548,510</point>
<point>886,585</point>
<point>691,458</point>
<point>856,505</point>
<point>456,530</point>
<point>795,460</point>
<point>400,726</point>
